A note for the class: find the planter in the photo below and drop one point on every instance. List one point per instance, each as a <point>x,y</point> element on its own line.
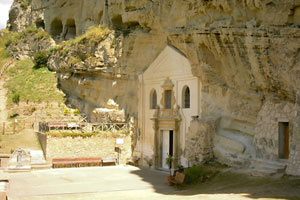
<point>170,180</point>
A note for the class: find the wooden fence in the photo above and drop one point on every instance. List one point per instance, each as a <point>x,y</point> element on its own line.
<point>13,127</point>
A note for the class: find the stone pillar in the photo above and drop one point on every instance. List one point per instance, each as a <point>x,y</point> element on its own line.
<point>156,144</point>
<point>199,145</point>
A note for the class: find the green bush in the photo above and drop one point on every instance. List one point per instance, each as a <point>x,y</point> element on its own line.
<point>197,174</point>
<point>76,112</point>
<point>14,115</point>
<point>40,60</point>
<point>8,42</point>
<point>24,3</point>
<point>16,98</point>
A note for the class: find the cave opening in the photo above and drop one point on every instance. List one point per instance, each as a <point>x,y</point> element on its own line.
<point>56,27</point>
<point>40,23</point>
<point>70,29</point>
<point>117,22</point>
<point>100,16</point>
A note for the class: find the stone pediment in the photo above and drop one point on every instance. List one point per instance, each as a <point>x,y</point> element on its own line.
<point>169,63</point>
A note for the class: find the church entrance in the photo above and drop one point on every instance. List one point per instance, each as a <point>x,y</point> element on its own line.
<point>167,146</point>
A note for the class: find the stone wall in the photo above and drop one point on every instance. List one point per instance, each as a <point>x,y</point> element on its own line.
<point>95,146</point>
<point>43,142</point>
<point>266,131</point>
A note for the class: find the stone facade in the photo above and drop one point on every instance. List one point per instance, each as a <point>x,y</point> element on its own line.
<point>266,138</point>
<point>164,125</point>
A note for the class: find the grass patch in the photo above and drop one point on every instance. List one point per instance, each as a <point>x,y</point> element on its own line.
<point>4,54</point>
<point>89,134</point>
<point>26,139</point>
<point>35,85</point>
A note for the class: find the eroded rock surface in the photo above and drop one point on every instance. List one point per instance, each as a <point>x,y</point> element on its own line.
<point>246,54</point>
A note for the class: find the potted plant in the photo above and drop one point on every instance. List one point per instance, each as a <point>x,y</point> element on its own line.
<point>180,169</point>
<point>169,161</point>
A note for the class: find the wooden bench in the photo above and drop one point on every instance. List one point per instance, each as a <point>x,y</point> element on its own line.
<point>76,162</point>
<point>178,179</point>
<point>3,195</point>
<point>108,161</point>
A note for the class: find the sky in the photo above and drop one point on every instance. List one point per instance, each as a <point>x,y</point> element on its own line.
<point>4,9</point>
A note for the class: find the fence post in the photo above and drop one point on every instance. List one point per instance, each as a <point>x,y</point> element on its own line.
<point>14,126</point>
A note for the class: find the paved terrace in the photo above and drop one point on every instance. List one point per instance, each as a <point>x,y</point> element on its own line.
<point>126,183</point>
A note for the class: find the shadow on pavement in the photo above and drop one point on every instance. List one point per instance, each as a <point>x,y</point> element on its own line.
<point>287,188</point>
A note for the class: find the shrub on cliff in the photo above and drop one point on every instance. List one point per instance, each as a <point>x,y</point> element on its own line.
<point>94,34</point>
<point>15,37</point>
<point>24,3</point>
<point>40,59</point>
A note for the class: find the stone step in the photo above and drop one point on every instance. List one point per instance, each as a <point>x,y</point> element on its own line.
<point>259,163</point>
<point>262,172</point>
<point>41,166</point>
<point>37,157</point>
<point>12,168</point>
<point>267,168</point>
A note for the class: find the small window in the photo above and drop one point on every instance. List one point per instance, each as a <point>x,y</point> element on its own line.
<point>153,99</point>
<point>168,99</point>
<point>186,101</point>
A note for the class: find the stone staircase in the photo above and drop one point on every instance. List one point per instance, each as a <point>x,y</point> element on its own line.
<point>262,167</point>
<point>38,161</point>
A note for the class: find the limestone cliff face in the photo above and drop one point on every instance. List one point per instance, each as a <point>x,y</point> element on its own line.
<point>24,13</point>
<point>246,54</point>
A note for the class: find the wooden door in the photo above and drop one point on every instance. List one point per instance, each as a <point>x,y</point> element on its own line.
<point>287,141</point>
<point>284,140</point>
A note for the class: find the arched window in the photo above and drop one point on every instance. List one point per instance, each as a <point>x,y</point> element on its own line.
<point>186,100</point>
<point>153,99</point>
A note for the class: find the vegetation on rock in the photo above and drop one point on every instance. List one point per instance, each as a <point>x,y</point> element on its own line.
<point>4,53</point>
<point>24,3</point>
<point>40,59</point>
